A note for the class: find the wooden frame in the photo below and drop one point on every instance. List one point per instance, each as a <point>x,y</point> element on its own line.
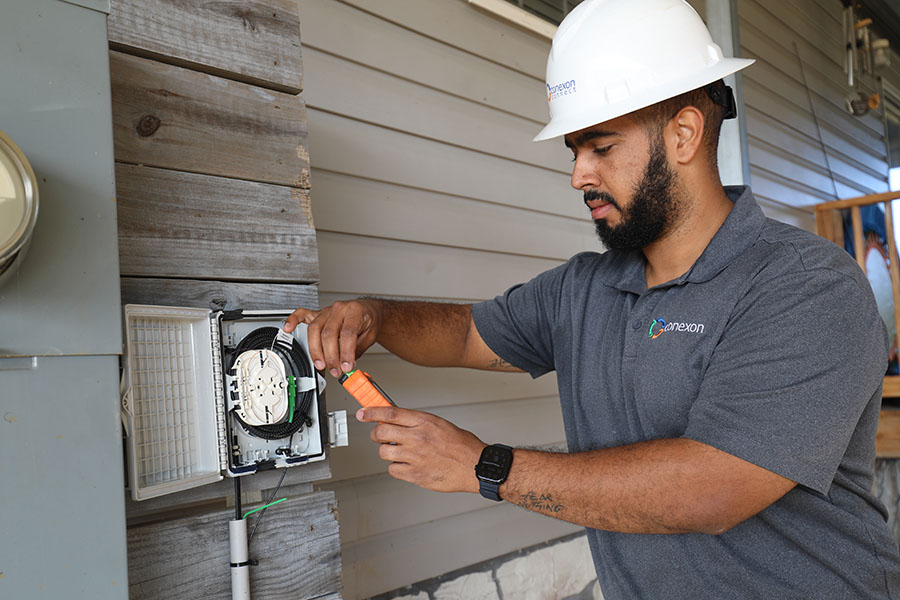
<point>829,224</point>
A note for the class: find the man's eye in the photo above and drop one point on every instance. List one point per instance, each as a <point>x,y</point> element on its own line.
<point>602,150</point>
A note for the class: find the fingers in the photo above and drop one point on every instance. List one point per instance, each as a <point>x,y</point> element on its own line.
<point>425,449</point>
<point>395,415</point>
<point>338,334</point>
<point>301,315</point>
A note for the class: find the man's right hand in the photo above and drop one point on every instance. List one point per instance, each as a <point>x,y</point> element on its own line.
<point>338,334</point>
<point>425,333</point>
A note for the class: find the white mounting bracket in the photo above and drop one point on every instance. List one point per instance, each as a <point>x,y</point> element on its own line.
<point>338,435</point>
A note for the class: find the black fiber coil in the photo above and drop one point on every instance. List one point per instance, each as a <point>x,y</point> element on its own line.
<point>296,361</point>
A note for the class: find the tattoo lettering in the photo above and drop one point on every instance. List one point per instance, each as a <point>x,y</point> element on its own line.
<point>540,502</point>
<point>498,363</point>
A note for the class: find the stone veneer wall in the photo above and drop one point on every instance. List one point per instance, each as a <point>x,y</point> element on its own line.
<point>887,489</point>
<point>558,570</point>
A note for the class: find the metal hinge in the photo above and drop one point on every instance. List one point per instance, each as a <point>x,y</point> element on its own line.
<point>337,429</point>
<point>217,386</point>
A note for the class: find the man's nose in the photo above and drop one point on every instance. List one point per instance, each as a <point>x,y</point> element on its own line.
<point>583,176</point>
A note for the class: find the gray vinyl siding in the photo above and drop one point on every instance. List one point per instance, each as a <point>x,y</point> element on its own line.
<point>788,167</point>
<point>426,185</point>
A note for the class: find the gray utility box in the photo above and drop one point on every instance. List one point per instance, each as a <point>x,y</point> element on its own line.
<point>61,508</point>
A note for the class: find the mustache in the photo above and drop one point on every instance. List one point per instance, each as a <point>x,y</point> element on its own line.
<point>590,195</point>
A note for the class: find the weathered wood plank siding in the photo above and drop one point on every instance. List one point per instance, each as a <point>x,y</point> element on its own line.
<point>212,173</point>
<point>200,227</point>
<point>176,118</point>
<point>427,185</point>
<point>257,42</point>
<point>216,294</point>
<point>189,557</point>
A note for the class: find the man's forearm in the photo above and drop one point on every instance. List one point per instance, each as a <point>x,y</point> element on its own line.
<point>435,335</point>
<point>425,333</point>
<point>661,486</point>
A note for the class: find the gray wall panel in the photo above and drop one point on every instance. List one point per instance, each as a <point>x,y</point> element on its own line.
<point>62,517</point>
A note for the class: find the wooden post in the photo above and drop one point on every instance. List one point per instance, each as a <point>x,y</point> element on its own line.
<point>859,244</point>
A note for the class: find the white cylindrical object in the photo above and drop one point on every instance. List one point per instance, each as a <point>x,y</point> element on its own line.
<point>18,206</point>
<point>240,557</point>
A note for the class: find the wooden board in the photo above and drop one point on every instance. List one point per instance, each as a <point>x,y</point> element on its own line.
<point>166,116</point>
<point>217,295</point>
<point>257,42</point>
<point>297,545</point>
<point>174,224</point>
<point>887,442</point>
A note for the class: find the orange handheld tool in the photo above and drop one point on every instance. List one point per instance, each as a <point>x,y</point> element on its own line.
<point>362,387</point>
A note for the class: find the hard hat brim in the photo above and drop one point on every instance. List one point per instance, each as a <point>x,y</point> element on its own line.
<point>570,123</point>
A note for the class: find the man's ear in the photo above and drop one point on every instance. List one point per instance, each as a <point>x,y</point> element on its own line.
<point>684,135</point>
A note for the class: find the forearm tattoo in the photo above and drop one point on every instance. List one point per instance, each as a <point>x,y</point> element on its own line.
<point>540,502</point>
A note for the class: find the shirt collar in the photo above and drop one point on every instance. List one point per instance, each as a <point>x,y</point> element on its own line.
<point>739,232</point>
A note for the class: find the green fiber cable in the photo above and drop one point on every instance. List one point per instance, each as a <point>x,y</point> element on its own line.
<point>292,396</point>
<point>250,512</point>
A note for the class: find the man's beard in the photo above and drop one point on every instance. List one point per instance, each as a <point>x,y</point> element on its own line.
<point>652,210</point>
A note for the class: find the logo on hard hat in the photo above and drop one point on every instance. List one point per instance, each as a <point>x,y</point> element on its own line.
<point>567,88</point>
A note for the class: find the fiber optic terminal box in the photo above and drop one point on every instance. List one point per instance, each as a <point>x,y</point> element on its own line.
<point>212,394</point>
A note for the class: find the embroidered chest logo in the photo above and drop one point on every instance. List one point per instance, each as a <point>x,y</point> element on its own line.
<point>661,326</point>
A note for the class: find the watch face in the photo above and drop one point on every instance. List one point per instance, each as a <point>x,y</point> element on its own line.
<point>494,464</point>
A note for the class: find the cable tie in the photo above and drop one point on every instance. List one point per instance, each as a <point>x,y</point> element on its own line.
<point>284,338</point>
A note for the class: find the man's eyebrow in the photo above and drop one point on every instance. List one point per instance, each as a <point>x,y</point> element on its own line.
<point>587,136</point>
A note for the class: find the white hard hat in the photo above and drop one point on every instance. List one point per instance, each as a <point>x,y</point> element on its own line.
<point>612,57</point>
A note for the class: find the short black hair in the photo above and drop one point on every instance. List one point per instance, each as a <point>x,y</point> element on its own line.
<point>656,116</point>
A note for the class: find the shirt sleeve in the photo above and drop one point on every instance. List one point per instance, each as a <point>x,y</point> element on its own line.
<point>518,326</point>
<point>794,369</point>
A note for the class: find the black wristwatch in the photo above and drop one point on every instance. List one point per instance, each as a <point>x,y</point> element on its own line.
<point>492,469</point>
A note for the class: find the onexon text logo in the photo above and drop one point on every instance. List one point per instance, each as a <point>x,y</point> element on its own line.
<point>660,326</point>
<point>560,89</point>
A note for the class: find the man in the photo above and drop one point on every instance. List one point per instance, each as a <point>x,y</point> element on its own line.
<point>719,372</point>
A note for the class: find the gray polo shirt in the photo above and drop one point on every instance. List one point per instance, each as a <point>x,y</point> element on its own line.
<point>769,348</point>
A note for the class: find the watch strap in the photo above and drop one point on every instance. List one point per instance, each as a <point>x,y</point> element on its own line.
<point>491,489</point>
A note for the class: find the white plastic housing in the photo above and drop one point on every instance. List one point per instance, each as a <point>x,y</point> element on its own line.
<point>170,409</point>
<point>181,432</point>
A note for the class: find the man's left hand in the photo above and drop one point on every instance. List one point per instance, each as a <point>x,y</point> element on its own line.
<point>425,449</point>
